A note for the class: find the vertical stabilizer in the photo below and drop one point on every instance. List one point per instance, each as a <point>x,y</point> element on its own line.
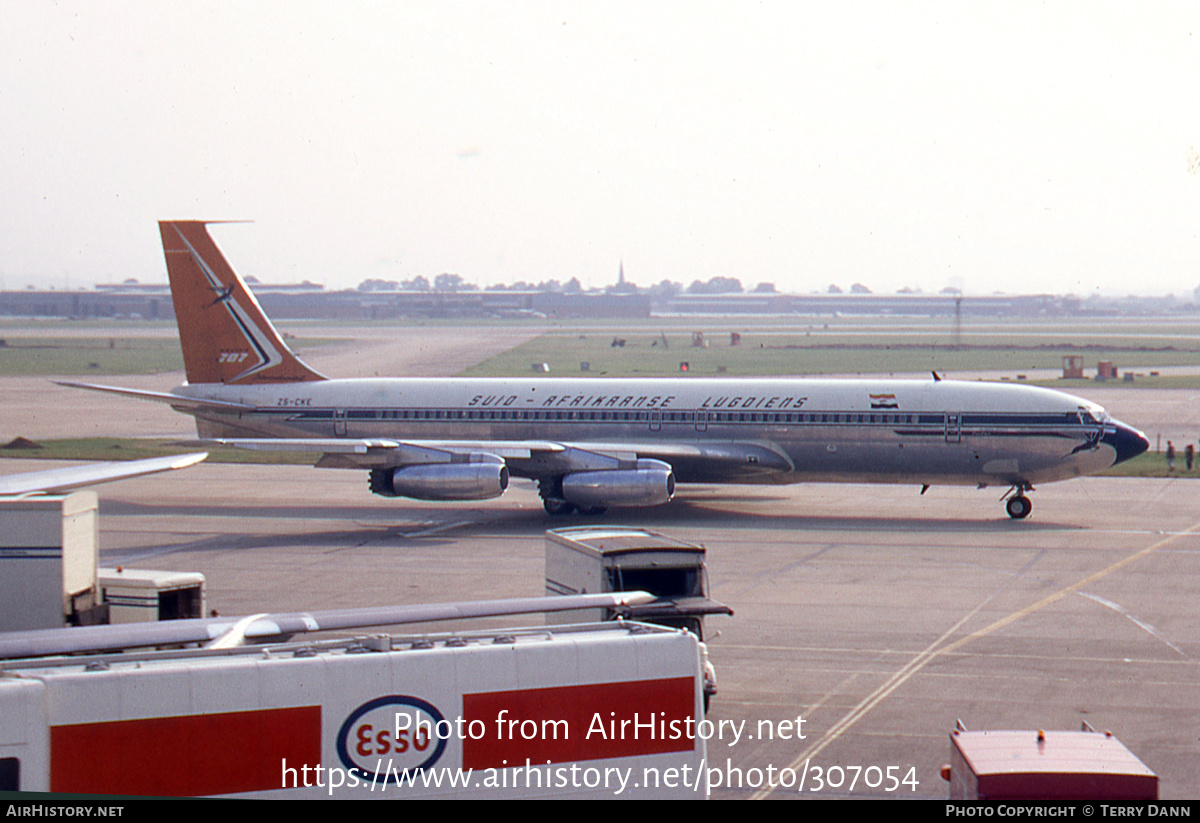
<point>226,338</point>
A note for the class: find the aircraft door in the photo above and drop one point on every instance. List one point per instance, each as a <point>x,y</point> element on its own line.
<point>339,422</point>
<point>953,427</point>
<point>701,420</point>
<point>655,420</point>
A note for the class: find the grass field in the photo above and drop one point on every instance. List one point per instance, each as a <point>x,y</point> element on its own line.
<point>1150,464</point>
<point>116,448</point>
<point>655,347</point>
<point>72,355</point>
<point>644,354</point>
<point>641,355</point>
<point>1142,381</point>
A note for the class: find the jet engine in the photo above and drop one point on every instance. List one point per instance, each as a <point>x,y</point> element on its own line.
<point>652,483</point>
<point>442,481</point>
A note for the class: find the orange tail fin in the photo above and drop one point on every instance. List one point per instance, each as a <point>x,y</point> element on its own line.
<point>226,338</point>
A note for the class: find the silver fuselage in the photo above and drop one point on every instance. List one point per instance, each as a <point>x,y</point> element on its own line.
<point>713,430</point>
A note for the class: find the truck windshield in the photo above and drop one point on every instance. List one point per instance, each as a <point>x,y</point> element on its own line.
<point>659,581</point>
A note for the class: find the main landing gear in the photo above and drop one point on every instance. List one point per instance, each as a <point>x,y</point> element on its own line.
<point>550,489</point>
<point>561,508</point>
<point>1018,505</point>
<point>557,506</point>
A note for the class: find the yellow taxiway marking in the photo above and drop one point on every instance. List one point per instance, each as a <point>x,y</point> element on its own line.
<point>933,651</point>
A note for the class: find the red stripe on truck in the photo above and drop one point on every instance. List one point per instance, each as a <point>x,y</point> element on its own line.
<point>188,755</point>
<point>577,723</point>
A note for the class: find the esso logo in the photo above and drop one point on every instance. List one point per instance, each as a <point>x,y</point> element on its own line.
<point>391,737</point>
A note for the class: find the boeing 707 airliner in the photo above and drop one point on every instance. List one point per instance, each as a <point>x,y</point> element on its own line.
<point>592,443</point>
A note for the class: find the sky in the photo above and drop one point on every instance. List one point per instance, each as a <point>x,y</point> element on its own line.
<point>1014,146</point>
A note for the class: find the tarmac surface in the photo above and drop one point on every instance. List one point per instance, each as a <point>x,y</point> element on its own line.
<point>878,615</point>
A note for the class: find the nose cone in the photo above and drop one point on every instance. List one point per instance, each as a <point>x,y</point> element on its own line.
<point>1126,441</point>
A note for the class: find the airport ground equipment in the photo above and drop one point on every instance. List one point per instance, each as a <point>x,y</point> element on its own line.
<point>145,595</point>
<point>1045,766</point>
<point>48,557</point>
<point>594,559</point>
<point>499,714</point>
<point>49,542</point>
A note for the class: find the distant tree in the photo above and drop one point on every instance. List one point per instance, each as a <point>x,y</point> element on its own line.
<point>716,285</point>
<point>950,290</point>
<point>378,285</point>
<point>859,288</point>
<point>765,288</point>
<point>449,282</point>
<point>550,286</point>
<point>573,286</point>
<point>833,289</point>
<point>667,288</point>
<point>418,283</point>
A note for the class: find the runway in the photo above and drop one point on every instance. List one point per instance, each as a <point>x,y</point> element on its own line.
<point>878,615</point>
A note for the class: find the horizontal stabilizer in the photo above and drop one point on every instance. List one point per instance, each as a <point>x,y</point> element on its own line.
<point>178,401</point>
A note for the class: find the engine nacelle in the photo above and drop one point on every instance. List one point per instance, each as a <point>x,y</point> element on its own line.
<point>442,481</point>
<point>652,483</point>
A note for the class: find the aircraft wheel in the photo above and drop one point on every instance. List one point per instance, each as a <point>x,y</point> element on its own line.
<point>1018,507</point>
<point>557,506</point>
<point>594,511</point>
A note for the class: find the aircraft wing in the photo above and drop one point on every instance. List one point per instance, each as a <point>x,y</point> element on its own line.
<point>399,452</point>
<point>750,457</point>
<point>263,628</point>
<point>58,480</point>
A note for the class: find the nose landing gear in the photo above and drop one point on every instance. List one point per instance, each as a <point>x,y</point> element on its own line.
<point>1018,505</point>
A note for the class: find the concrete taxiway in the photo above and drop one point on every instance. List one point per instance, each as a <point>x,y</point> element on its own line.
<point>878,615</point>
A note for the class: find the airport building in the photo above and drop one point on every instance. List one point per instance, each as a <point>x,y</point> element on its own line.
<point>307,300</point>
